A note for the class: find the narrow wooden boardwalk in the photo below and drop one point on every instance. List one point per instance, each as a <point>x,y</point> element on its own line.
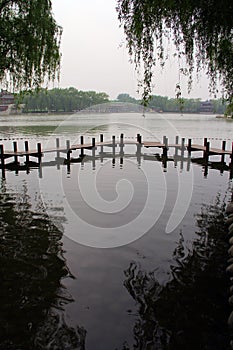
<point>211,151</point>
<point>147,144</point>
<point>113,143</point>
<point>116,151</point>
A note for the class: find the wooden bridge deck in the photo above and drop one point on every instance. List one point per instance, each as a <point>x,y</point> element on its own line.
<point>112,143</point>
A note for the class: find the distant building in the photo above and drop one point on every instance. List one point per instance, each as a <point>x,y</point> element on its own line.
<point>6,100</point>
<point>206,107</point>
<point>8,104</point>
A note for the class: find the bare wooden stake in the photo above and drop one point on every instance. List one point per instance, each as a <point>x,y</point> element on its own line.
<point>15,151</point>
<point>189,145</point>
<point>223,148</point>
<point>2,161</point>
<point>68,149</point>
<point>26,150</point>
<point>82,142</point>
<point>39,152</point>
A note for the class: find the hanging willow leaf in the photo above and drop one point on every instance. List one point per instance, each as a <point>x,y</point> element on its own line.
<point>29,43</point>
<point>202,31</point>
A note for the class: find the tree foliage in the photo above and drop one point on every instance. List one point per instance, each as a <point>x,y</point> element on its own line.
<point>62,100</point>
<point>124,97</point>
<point>202,31</point>
<point>29,42</point>
<point>165,104</point>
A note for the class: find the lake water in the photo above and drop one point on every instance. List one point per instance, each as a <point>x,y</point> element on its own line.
<point>120,250</point>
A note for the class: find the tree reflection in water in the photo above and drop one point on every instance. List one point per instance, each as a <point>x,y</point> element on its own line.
<point>191,310</point>
<point>31,269</point>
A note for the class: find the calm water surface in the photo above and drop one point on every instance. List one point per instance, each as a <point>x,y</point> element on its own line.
<point>114,252</point>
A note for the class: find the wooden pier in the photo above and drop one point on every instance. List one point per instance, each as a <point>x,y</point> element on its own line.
<point>121,142</point>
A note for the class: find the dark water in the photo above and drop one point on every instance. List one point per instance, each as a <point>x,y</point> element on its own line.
<point>64,286</point>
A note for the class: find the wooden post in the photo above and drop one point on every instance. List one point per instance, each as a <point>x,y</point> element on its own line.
<point>182,146</point>
<point>26,150</point>
<point>82,142</point>
<point>189,145</point>
<point>165,148</point>
<point>165,151</point>
<point>207,150</point>
<point>101,147</point>
<point>93,153</point>
<point>57,147</point>
<point>39,159</point>
<point>68,149</point>
<point>58,152</point>
<point>176,143</point>
<point>223,148</point>
<point>122,145</point>
<point>182,143</point>
<point>15,151</point>
<point>205,141</point>
<point>2,160</point>
<point>39,152</point>
<point>113,147</point>
<point>121,139</point>
<point>139,138</point>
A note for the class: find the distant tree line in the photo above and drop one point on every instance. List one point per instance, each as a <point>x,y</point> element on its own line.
<point>71,99</point>
<point>61,100</point>
<point>165,104</point>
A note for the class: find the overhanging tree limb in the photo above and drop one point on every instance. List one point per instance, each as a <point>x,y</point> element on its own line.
<point>202,31</point>
<point>29,43</point>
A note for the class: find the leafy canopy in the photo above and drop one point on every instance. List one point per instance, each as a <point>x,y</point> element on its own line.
<point>29,43</point>
<point>202,31</point>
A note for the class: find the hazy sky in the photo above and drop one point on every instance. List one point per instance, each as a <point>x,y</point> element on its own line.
<point>94,54</point>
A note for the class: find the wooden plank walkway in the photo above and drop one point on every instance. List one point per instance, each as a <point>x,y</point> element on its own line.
<point>211,150</point>
<point>121,142</point>
<point>34,152</point>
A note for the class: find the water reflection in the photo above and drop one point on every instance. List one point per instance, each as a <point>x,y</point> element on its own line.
<point>32,267</point>
<point>191,310</point>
